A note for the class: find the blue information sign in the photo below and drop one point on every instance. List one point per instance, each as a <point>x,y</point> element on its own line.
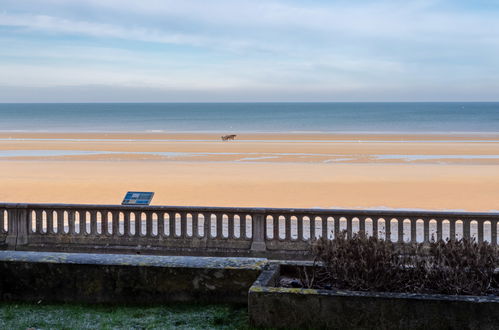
<point>137,198</point>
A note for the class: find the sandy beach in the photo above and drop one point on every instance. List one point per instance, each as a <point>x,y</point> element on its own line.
<point>440,172</point>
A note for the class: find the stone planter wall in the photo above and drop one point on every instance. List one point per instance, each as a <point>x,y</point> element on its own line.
<point>271,306</point>
<point>138,279</point>
<point>125,279</point>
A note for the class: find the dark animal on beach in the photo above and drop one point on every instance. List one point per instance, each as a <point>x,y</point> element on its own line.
<point>228,137</point>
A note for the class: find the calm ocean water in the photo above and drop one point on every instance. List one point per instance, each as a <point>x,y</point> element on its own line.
<point>252,117</point>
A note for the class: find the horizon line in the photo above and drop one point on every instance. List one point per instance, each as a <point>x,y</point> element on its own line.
<point>239,102</point>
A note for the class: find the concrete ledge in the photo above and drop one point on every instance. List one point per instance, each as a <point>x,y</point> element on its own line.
<point>145,246</point>
<point>270,306</point>
<point>107,278</point>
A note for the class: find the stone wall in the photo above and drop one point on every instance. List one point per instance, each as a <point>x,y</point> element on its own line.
<point>128,279</point>
<point>271,306</point>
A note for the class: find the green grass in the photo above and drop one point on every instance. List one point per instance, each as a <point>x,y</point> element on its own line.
<point>180,316</point>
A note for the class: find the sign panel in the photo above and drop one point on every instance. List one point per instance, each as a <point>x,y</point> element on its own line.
<point>137,198</point>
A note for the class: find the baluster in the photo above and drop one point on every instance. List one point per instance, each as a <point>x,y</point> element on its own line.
<point>173,224</point>
<point>83,222</point>
<point>426,230</point>
<point>252,225</point>
<point>400,222</point>
<point>50,221</point>
<point>71,222</point>
<point>126,224</point>
<point>388,228</point>
<point>195,225</point>
<point>349,227</point>
<point>324,227</point>
<point>413,230</point>
<point>439,228</point>
<point>242,222</point>
<point>466,228</point>
<point>230,219</point>
<point>39,221</point>
<point>452,229</point>
<point>362,224</point>
<point>103,224</point>
<point>183,224</point>
<point>116,223</point>
<point>337,221</point>
<point>161,224</point>
<point>287,224</point>
<point>375,226</point>
<point>493,228</point>
<point>211,218</point>
<point>312,227</point>
<point>144,217</point>
<point>207,225</point>
<point>219,219</point>
<point>480,230</point>
<point>300,227</point>
<point>138,223</point>
<point>93,223</point>
<point>60,222</point>
<point>29,216</point>
<point>149,224</point>
<point>276,226</point>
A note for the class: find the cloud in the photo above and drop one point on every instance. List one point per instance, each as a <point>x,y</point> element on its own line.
<point>166,21</point>
<point>100,30</point>
<point>253,45</point>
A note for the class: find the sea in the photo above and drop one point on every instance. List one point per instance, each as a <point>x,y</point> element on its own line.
<point>352,117</point>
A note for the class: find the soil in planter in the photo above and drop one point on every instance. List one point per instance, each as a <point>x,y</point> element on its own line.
<point>295,281</point>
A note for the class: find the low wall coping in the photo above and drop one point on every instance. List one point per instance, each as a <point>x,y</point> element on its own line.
<point>134,260</point>
<point>370,294</point>
<point>263,285</point>
<point>251,210</point>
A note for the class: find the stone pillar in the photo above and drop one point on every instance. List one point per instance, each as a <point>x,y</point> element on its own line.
<point>258,243</point>
<point>18,226</point>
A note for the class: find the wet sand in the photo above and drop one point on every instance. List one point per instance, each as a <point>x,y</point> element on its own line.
<point>441,172</point>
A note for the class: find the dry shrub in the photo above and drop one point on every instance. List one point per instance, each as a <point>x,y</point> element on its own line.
<point>460,267</point>
<point>365,263</point>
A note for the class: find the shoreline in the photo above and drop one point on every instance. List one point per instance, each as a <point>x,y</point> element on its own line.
<point>261,170</point>
<point>258,136</point>
<point>277,148</point>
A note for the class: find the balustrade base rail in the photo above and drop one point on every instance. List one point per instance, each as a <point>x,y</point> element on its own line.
<point>215,231</point>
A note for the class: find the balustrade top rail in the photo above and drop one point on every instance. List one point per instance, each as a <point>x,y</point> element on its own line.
<point>257,210</point>
<point>223,230</point>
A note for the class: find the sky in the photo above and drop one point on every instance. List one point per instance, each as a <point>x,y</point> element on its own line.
<point>248,51</point>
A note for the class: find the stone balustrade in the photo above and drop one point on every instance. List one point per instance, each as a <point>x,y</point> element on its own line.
<point>214,231</point>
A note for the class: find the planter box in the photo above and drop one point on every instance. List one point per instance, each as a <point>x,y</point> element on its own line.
<point>271,306</point>
<point>125,279</point>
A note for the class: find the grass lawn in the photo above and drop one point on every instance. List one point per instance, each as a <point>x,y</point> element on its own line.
<point>180,316</point>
